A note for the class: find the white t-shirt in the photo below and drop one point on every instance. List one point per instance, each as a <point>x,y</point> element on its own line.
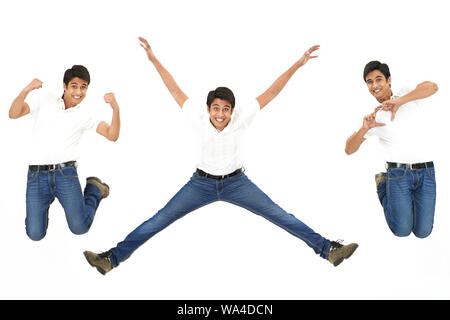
<point>405,139</point>
<point>56,131</point>
<point>220,152</point>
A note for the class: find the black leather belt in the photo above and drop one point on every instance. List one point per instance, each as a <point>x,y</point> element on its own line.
<point>204,174</point>
<point>411,166</point>
<point>52,167</point>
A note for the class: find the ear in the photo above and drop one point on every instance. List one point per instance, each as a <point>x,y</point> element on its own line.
<point>389,81</point>
<point>64,86</point>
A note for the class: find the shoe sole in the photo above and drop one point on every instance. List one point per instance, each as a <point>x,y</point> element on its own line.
<point>339,261</point>
<point>98,268</point>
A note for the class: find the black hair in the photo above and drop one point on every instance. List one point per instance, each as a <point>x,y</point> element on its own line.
<point>77,71</point>
<point>376,65</point>
<point>222,93</point>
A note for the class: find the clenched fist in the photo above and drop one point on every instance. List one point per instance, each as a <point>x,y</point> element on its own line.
<point>111,99</point>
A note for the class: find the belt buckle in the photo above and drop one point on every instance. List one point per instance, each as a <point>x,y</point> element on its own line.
<point>411,166</point>
<point>52,167</point>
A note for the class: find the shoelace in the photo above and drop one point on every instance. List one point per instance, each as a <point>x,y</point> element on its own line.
<point>336,244</point>
<point>105,254</point>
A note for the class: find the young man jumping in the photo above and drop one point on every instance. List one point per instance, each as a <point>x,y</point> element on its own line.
<point>59,124</point>
<point>407,191</point>
<point>219,176</point>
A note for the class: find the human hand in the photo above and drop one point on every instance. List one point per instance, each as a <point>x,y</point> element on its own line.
<point>34,84</point>
<point>369,121</point>
<point>307,55</point>
<point>391,105</point>
<point>111,99</point>
<point>144,44</point>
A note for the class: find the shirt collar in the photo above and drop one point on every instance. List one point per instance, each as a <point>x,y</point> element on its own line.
<point>63,106</point>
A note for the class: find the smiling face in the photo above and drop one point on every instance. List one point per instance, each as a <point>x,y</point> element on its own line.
<point>378,86</point>
<point>220,113</point>
<point>74,92</point>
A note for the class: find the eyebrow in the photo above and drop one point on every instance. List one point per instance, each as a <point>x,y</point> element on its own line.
<point>75,82</point>
<point>225,106</point>
<point>377,77</point>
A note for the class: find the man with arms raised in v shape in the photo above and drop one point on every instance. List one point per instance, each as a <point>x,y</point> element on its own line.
<point>219,175</point>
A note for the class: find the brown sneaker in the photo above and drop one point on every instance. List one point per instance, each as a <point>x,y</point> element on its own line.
<point>379,178</point>
<point>104,188</point>
<point>339,252</point>
<point>100,261</point>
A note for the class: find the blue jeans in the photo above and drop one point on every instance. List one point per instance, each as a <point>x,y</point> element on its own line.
<point>200,191</point>
<point>408,198</point>
<point>63,183</point>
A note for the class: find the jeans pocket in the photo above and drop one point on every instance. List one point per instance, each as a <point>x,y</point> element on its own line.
<point>69,172</point>
<point>396,173</point>
<point>430,172</point>
<point>32,175</point>
<point>198,177</point>
<point>236,177</point>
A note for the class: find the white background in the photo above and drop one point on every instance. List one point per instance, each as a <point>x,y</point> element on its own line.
<point>295,148</point>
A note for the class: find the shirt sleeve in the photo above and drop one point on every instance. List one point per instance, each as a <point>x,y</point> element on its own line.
<point>247,111</point>
<point>403,91</point>
<point>194,110</point>
<point>94,117</point>
<point>34,101</point>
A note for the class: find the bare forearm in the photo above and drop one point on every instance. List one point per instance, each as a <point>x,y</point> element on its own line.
<point>170,83</point>
<point>114,128</point>
<point>422,91</point>
<point>278,85</point>
<point>354,142</point>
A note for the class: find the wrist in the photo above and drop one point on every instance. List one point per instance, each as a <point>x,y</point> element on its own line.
<point>26,91</point>
<point>401,101</point>
<point>363,130</point>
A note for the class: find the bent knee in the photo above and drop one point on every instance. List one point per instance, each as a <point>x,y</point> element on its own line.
<point>78,229</point>
<point>422,234</point>
<point>35,234</point>
<point>401,232</point>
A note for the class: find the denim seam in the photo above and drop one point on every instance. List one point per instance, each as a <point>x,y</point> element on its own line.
<point>395,178</point>
<point>34,175</point>
<point>67,176</point>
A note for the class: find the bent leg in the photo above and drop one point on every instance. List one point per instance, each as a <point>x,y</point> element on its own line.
<point>38,200</point>
<point>193,195</point>
<point>79,209</point>
<point>424,205</point>
<point>244,193</point>
<point>396,198</point>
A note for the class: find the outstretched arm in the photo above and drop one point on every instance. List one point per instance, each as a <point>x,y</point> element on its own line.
<point>279,84</point>
<point>167,78</point>
<point>354,142</point>
<point>422,91</point>
<point>112,131</point>
<point>19,107</point>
